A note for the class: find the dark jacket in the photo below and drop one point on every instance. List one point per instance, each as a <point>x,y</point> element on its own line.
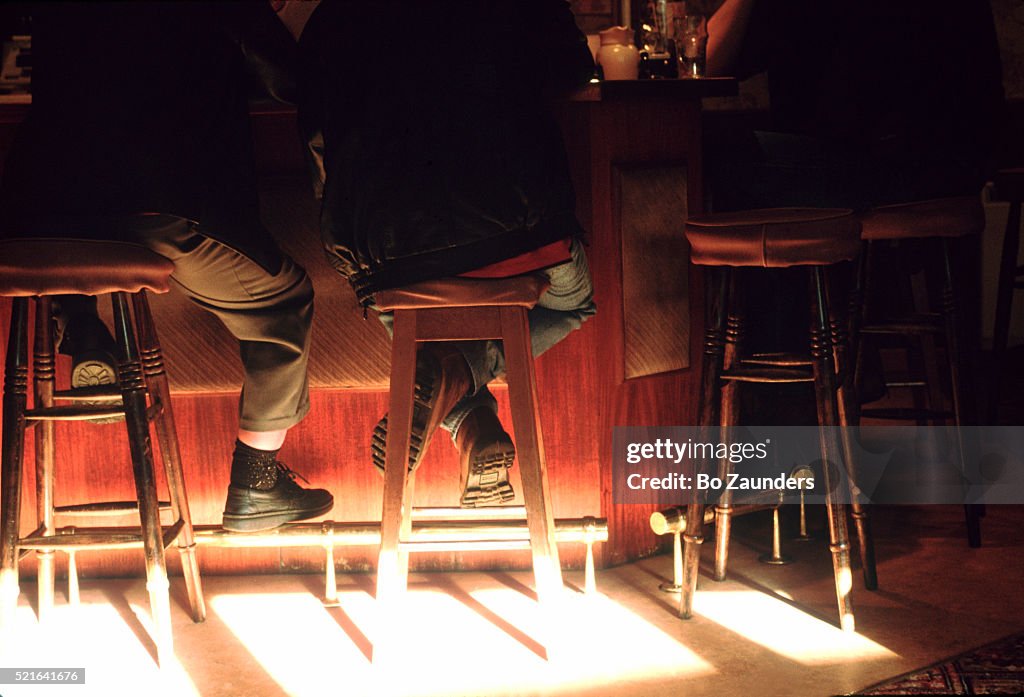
<point>439,154</point>
<point>140,107</point>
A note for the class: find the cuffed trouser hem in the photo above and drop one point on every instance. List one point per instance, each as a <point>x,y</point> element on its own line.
<point>278,424</point>
<point>269,314</point>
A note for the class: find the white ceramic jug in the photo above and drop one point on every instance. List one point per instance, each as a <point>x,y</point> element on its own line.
<point>619,58</point>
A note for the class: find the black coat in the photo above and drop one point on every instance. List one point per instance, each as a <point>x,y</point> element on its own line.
<point>438,153</point>
<point>140,107</point>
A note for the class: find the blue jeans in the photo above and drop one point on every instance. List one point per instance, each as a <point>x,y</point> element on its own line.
<point>565,306</point>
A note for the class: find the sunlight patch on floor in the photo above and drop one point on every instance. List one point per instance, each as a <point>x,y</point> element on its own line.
<point>454,641</point>
<point>97,637</point>
<point>788,631</point>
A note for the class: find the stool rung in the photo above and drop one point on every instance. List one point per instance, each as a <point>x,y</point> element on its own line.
<point>92,538</point>
<point>906,383</point>
<point>907,414</point>
<point>96,538</point>
<point>93,393</point>
<point>767,375</point>
<point>79,413</point>
<point>779,360</point>
<point>86,412</point>
<point>104,508</point>
<point>38,532</point>
<point>909,326</point>
<point>485,512</point>
<point>464,545</point>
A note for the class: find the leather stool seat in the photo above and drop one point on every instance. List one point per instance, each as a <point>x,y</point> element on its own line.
<point>774,237</point>
<point>519,291</point>
<point>56,266</point>
<point>957,216</point>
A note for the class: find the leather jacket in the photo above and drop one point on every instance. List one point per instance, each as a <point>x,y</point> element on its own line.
<point>432,138</point>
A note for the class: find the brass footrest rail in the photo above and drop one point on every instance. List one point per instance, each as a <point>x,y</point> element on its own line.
<point>673,520</point>
<point>456,529</point>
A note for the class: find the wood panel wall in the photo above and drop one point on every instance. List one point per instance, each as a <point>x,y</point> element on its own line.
<point>584,391</point>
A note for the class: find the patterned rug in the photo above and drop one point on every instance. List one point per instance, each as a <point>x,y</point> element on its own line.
<point>995,669</point>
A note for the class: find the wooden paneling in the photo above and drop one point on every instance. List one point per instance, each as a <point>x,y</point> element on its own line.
<point>582,382</point>
<point>632,125</point>
<point>655,256</point>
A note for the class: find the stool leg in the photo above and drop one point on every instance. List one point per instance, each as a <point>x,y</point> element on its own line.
<point>825,394</point>
<point>14,404</point>
<point>929,354</point>
<point>405,531</point>
<point>43,383</point>
<point>846,402</point>
<point>392,563</point>
<point>1004,302</point>
<point>729,417</point>
<point>962,403</point>
<point>167,437</point>
<point>133,394</point>
<point>859,311</point>
<point>522,392</point>
<point>708,409</point>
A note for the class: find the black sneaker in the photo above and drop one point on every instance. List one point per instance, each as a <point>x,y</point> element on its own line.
<point>253,510</point>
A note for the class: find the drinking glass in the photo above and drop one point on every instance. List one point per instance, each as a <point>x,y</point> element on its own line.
<point>692,45</point>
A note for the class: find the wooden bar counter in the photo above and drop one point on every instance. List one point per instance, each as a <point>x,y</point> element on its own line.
<point>634,150</point>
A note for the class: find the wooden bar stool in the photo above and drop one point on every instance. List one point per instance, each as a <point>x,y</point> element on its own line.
<point>774,238</point>
<point>457,309</point>
<point>939,221</point>
<point>40,269</point>
<point>1009,186</point>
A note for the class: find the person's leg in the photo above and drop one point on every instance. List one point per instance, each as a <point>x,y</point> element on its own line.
<point>486,451</point>
<point>564,307</point>
<point>270,315</point>
<point>452,378</point>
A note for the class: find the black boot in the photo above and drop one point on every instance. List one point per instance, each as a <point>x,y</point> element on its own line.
<point>264,494</point>
<point>486,453</point>
<point>442,378</point>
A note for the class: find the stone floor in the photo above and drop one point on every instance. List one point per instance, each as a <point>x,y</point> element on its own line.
<point>767,630</point>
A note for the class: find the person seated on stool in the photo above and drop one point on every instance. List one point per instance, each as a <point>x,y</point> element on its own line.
<point>440,159</point>
<point>139,132</point>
